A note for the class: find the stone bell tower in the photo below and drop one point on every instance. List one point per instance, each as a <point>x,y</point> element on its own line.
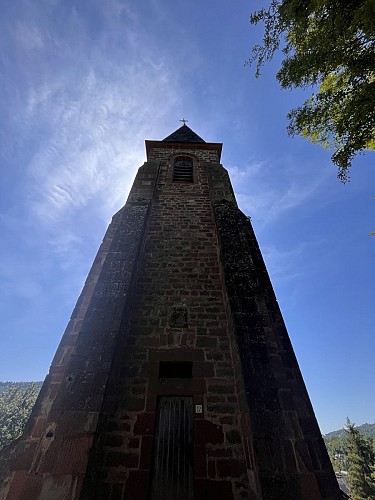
<point>175,378</point>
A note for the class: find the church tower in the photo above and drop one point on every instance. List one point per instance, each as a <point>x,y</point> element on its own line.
<point>175,378</point>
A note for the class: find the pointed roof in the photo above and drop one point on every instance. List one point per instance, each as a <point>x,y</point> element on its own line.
<point>183,138</point>
<point>184,134</point>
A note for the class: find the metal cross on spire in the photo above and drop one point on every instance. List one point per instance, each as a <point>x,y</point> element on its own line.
<point>184,121</point>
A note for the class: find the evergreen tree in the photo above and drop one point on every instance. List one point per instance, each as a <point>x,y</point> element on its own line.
<point>361,461</point>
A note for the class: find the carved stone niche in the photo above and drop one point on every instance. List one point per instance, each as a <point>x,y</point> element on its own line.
<point>178,317</point>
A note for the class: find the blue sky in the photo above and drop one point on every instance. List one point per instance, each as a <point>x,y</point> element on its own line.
<point>83,84</point>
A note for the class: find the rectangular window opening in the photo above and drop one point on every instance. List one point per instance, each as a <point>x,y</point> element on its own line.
<point>175,369</point>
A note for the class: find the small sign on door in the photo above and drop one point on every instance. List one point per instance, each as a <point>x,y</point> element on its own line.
<point>198,409</point>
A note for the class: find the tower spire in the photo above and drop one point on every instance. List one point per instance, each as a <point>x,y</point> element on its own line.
<point>184,134</point>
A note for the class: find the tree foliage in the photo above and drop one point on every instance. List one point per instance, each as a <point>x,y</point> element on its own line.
<point>16,403</point>
<point>352,452</point>
<point>361,464</point>
<point>338,453</point>
<point>329,44</point>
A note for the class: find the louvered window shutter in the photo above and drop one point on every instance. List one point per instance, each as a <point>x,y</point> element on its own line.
<point>183,169</point>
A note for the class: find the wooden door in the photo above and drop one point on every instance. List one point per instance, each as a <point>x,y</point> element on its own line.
<point>173,471</point>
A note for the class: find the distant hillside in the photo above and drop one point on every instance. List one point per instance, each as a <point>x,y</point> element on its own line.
<point>16,402</point>
<point>367,430</point>
<point>5,386</point>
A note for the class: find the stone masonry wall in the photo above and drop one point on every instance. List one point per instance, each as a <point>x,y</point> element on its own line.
<point>180,268</point>
<point>169,151</point>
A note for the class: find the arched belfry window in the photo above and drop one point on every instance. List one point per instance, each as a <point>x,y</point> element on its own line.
<point>183,169</point>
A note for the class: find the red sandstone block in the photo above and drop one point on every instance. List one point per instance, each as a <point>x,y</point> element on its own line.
<point>146,452</point>
<point>114,426</point>
<point>144,424</point>
<point>221,386</point>
<point>133,443</point>
<point>247,454</point>
<point>228,420</point>
<point>213,490</point>
<point>53,390</point>
<point>207,342</point>
<point>151,403</point>
<point>207,432</point>
<point>117,491</point>
<point>57,377</point>
<point>221,408</point>
<point>198,400</point>
<point>114,475</point>
<point>24,486</point>
<point>24,459</point>
<point>132,403</point>
<point>303,456</point>
<point>211,469</point>
<point>55,486</point>
<point>118,459</point>
<point>77,422</point>
<point>200,462</point>
<point>227,467</point>
<point>233,437</point>
<point>218,332</point>
<point>77,487</point>
<point>73,456</point>
<point>208,370</point>
<point>102,490</point>
<point>221,398</point>
<point>219,452</point>
<point>114,440</point>
<point>309,487</point>
<point>263,453</point>
<point>289,456</point>
<point>36,425</point>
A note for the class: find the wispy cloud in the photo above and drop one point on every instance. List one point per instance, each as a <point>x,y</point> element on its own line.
<point>19,280</point>
<point>27,36</point>
<point>267,189</point>
<point>284,265</point>
<point>101,139</point>
<point>88,105</point>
